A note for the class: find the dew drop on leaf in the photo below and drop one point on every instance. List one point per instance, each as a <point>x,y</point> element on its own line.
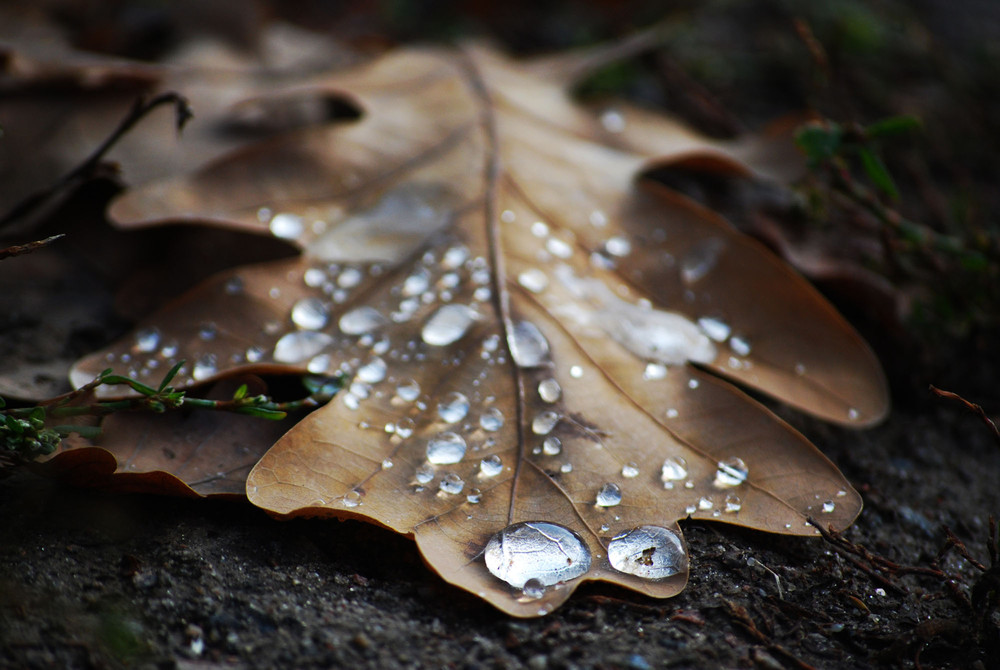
<point>373,371</point>
<point>544,422</point>
<point>352,499</point>
<point>739,345</point>
<point>300,345</point>
<point>716,329</point>
<point>533,280</point>
<point>552,446</point>
<point>451,484</point>
<point>361,320</point>
<point>446,449</point>
<point>533,589</point>
<point>705,504</point>
<point>474,497</point>
<point>608,495</point>
<point>549,390</point>
<point>146,340</point>
<point>349,278</point>
<point>674,469</point>
<point>448,324</point>
<point>618,246</point>
<point>630,470</point>
<point>700,259</point>
<point>404,427</point>
<point>527,345</point>
<point>491,420</point>
<point>310,314</point>
<point>828,507</point>
<point>204,367</point>
<point>733,503</point>
<point>649,552</point>
<point>731,472</point>
<point>424,474</point>
<point>286,226</point>
<point>490,466</point>
<point>654,371</point>
<point>536,550</point>
<point>453,407</point>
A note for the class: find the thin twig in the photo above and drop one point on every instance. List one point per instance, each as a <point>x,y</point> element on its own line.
<point>972,407</point>
<point>19,249</point>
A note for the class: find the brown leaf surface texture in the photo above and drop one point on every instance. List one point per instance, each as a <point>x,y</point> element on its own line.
<point>517,313</point>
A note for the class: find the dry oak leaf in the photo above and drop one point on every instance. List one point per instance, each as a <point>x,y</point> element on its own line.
<point>535,336</point>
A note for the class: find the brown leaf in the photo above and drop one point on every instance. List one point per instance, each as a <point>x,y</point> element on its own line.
<point>532,331</point>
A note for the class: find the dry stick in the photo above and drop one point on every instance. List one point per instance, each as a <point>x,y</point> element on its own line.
<point>18,249</point>
<point>972,407</point>
<point>140,108</point>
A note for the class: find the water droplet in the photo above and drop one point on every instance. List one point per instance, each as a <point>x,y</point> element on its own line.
<point>404,427</point>
<point>207,331</point>
<point>408,391</point>
<point>829,506</point>
<point>286,226</point>
<point>716,329</point>
<point>474,497</point>
<point>351,499</point>
<point>558,248</point>
<point>841,494</point>
<point>654,371</point>
<point>649,552</point>
<point>204,367</point>
<point>705,504</point>
<point>300,345</point>
<point>416,283</point>
<point>690,509</point>
<point>314,277</point>
<point>527,345</point>
<point>310,314</point>
<point>453,407</point>
<point>693,383</point>
<point>446,449</point>
<point>552,446</point>
<point>608,495</point>
<point>146,340</point>
<point>319,364</point>
<point>598,219</point>
<point>454,257</point>
<point>349,278</point>
<point>539,229</point>
<point>575,371</point>
<point>853,414</point>
<point>424,474</point>
<point>739,345</point>
<point>674,469</point>
<point>566,468</point>
<point>630,470</point>
<point>170,349</point>
<point>451,484</point>
<point>387,463</point>
<point>373,371</point>
<point>544,422</point>
<point>733,503</point>
<point>613,121</point>
<point>361,320</point>
<point>534,280</point>
<point>533,590</point>
<point>731,472</point>
<point>618,246</point>
<point>536,550</point>
<point>549,390</point>
<point>700,259</point>
<point>448,324</point>
<point>491,420</point>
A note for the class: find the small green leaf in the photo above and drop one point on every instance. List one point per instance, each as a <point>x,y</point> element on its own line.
<point>89,432</point>
<point>170,375</point>
<point>240,393</point>
<point>819,142</point>
<point>262,412</point>
<point>877,172</point>
<point>894,125</point>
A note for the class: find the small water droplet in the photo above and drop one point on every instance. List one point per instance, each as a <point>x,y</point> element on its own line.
<point>544,422</point>
<point>446,449</point>
<point>491,420</point>
<point>608,495</point>
<point>672,413</point>
<point>549,390</point>
<point>146,340</point>
<point>387,463</point>
<point>690,509</point>
<point>716,329</point>
<point>534,280</point>
<point>618,246</point>
<point>286,226</point>
<point>739,345</point>
<point>490,466</point>
<point>170,349</point>
<point>566,468</point>
<point>204,367</point>
<point>558,248</point>
<point>539,229</point>
<point>613,121</point>
<point>416,283</point>
<point>424,474</point>
<point>408,390</point>
<point>841,493</point>
<point>674,469</point>
<point>731,472</point>
<point>349,278</point>
<point>474,497</point>
<point>451,484</point>
<point>314,277</point>
<point>630,470</point>
<point>448,324</point>
<point>300,345</point>
<point>310,314</point>
<point>853,414</point>
<point>404,427</point>
<point>207,331</point>
<point>453,407</point>
<point>598,219</point>
<point>693,383</point>
<point>700,259</point>
<point>254,354</point>
<point>654,371</point>
<point>533,590</point>
<point>552,446</point>
<point>527,345</point>
<point>373,371</point>
<point>536,550</point>
<point>361,320</point>
<point>352,499</point>
<point>733,503</point>
<point>704,504</point>
<point>319,364</point>
<point>454,257</point>
<point>829,506</point>
<point>649,552</point>
<point>575,371</point>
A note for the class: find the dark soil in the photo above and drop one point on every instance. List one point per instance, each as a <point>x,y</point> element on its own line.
<point>94,580</point>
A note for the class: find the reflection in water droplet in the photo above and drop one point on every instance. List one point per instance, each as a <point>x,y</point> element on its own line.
<point>453,407</point>
<point>650,552</point>
<point>146,340</point>
<point>491,420</point>
<point>739,345</point>
<point>536,550</point>
<point>716,329</point>
<point>630,470</point>
<point>451,484</point>
<point>549,390</point>
<point>424,474</point>
<point>361,320</point>
<point>300,345</point>
<point>408,390</point>
<point>204,367</point>
<point>310,314</point>
<point>544,423</point>
<point>654,371</point>
<point>608,495</point>
<point>445,449</point>
<point>534,280</point>
<point>733,503</point>
<point>552,446</point>
<point>700,259</point>
<point>286,226</point>
<point>674,469</point>
<point>490,466</point>
<point>731,472</point>
<point>527,345</point>
<point>448,324</point>
<point>373,371</point>
<point>533,590</point>
<point>828,507</point>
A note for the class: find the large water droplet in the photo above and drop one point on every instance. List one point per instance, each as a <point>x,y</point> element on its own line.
<point>544,422</point>
<point>650,552</point>
<point>534,280</point>
<point>453,407</point>
<point>310,314</point>
<point>700,259</point>
<point>608,495</point>
<point>204,367</point>
<point>451,484</point>
<point>536,550</point>
<point>361,320</point>
<point>146,340</point>
<point>286,226</point>
<point>373,371</point>
<point>552,446</point>
<point>549,390</point>
<point>731,472</point>
<point>300,345</point>
<point>527,345</point>
<point>446,449</point>
<point>674,469</point>
<point>448,324</point>
<point>491,420</point>
<point>490,466</point>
